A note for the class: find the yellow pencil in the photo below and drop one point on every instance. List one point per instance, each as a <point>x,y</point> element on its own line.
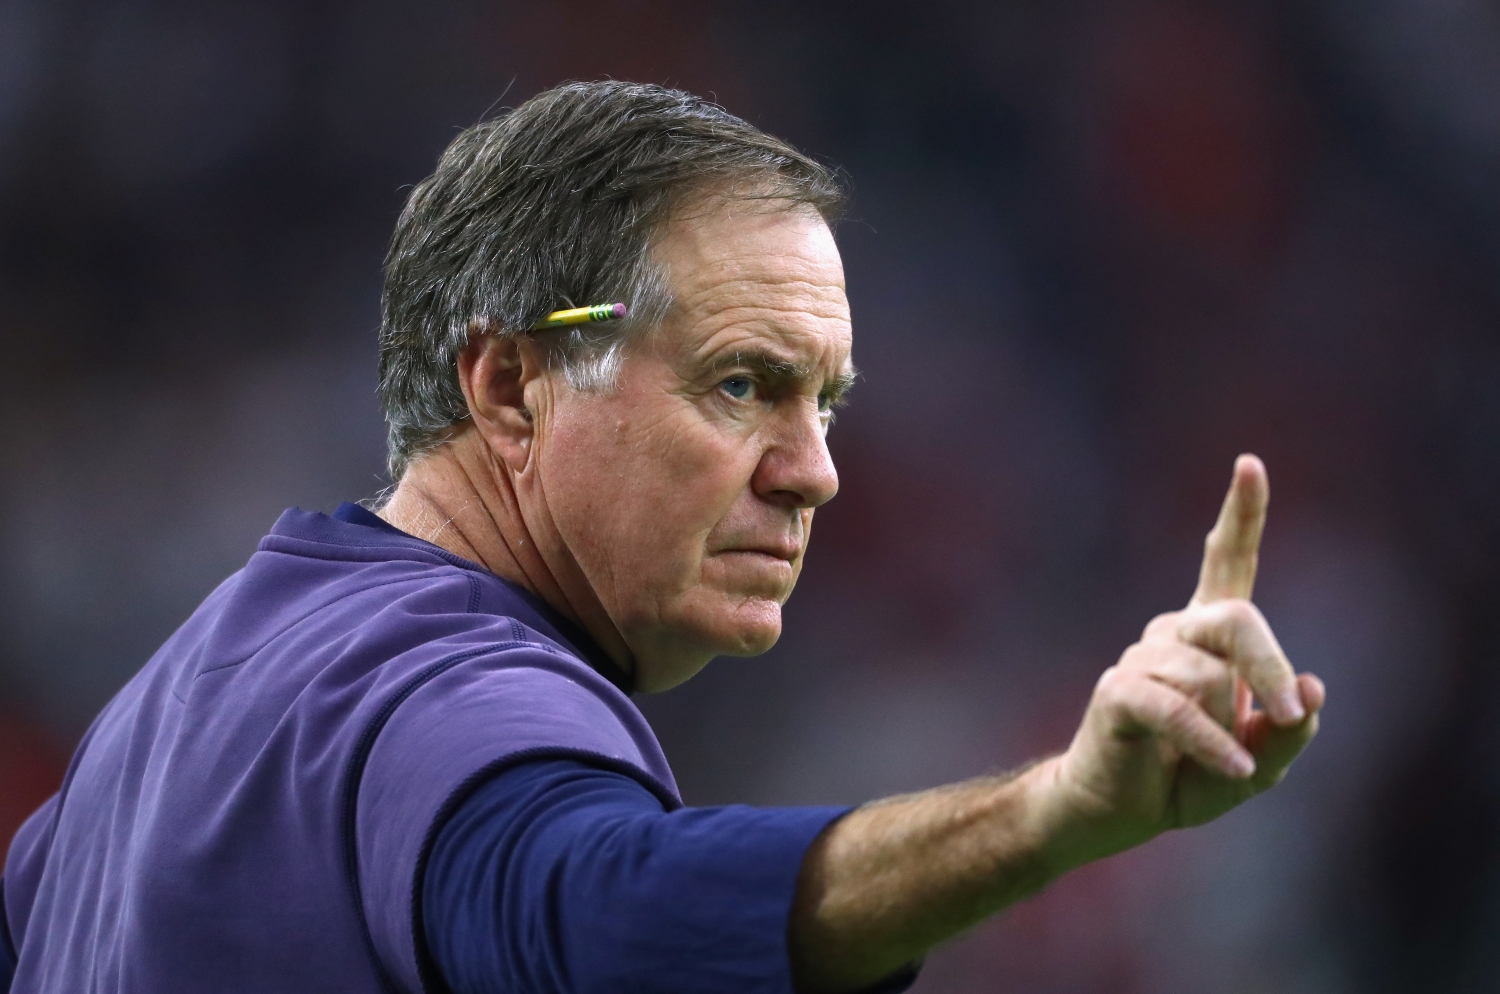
<point>581,315</point>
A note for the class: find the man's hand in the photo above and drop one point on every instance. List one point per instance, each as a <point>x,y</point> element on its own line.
<point>1171,737</point>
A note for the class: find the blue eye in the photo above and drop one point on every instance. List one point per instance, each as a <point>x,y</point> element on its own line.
<point>738,387</point>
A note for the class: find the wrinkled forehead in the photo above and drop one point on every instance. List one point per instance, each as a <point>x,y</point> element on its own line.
<point>753,271</point>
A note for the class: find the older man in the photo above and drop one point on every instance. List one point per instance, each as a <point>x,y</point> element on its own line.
<point>398,752</point>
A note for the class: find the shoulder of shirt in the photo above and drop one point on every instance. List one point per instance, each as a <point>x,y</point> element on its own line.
<point>354,536</point>
<point>387,587</point>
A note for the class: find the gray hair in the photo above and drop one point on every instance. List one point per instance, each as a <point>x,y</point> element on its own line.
<point>558,204</point>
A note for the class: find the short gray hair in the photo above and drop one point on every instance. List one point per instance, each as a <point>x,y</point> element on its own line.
<point>558,203</point>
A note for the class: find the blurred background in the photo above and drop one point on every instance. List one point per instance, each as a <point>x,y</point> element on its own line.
<point>1096,248</point>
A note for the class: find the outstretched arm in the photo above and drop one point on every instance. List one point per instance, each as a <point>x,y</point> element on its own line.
<point>1171,738</point>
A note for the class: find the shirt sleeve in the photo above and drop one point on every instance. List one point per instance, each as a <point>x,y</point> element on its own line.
<point>557,876</point>
<point>450,728</point>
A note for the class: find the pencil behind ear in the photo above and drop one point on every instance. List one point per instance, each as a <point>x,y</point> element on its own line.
<point>582,315</point>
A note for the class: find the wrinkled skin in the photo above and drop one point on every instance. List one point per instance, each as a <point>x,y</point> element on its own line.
<point>671,515</point>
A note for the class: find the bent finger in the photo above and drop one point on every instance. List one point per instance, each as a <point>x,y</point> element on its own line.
<point>1231,552</point>
<point>1236,631</point>
<point>1199,675</point>
<point>1168,713</point>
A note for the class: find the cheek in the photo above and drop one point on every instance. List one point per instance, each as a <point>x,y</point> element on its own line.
<point>638,502</point>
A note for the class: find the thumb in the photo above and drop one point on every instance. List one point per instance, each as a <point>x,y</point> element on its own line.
<point>1274,748</point>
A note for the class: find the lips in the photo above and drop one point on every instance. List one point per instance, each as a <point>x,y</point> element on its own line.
<point>751,573</point>
<point>786,552</point>
<point>783,539</point>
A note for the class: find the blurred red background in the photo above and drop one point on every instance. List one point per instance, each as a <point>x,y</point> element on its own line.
<point>1096,248</point>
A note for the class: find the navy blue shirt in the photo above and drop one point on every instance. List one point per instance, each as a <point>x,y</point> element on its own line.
<point>561,877</point>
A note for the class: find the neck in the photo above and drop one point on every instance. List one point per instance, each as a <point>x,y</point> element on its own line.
<point>463,498</point>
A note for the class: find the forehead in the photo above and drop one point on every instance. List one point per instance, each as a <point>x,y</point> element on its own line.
<point>745,274</point>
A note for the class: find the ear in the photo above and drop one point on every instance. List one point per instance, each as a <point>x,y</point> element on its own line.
<point>493,372</point>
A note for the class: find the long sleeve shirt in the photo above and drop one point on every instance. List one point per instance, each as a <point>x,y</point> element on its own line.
<point>558,876</point>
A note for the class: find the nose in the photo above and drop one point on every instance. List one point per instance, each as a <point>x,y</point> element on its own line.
<point>796,469</point>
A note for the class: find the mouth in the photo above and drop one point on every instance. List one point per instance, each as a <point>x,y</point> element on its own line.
<point>782,553</point>
<point>755,573</point>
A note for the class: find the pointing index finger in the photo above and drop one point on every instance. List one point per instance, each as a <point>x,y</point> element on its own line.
<point>1232,549</point>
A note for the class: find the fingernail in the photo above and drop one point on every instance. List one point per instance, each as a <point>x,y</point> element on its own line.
<point>1289,704</point>
<point>1243,764</point>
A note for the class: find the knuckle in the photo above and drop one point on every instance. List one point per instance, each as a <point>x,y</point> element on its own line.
<point>1113,701</point>
<point>1240,613</point>
<point>1109,681</point>
<point>1163,624</point>
<point>1132,658</point>
<point>1248,616</point>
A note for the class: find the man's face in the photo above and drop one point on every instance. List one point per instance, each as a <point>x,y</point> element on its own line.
<point>686,496</point>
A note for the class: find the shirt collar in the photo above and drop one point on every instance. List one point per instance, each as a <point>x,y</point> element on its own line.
<point>552,624</point>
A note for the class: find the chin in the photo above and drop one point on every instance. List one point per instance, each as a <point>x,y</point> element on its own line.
<point>754,640</point>
<point>744,624</point>
<point>745,628</point>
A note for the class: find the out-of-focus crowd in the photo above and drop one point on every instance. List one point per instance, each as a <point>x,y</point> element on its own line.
<point>1095,249</point>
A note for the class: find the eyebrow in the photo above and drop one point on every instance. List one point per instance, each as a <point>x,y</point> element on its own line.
<point>775,367</point>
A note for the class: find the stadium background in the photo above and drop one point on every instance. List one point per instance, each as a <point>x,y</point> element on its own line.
<point>1096,248</point>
